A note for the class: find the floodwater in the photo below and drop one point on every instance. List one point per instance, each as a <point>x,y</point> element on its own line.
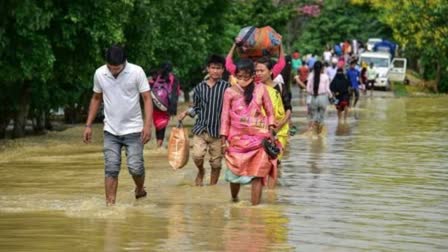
<point>377,183</point>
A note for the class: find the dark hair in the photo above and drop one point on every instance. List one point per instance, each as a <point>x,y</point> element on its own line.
<point>317,69</point>
<point>153,73</point>
<point>115,55</point>
<point>246,65</point>
<point>165,69</point>
<point>268,62</point>
<point>216,59</point>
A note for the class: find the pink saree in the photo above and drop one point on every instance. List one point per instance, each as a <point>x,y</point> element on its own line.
<point>245,127</point>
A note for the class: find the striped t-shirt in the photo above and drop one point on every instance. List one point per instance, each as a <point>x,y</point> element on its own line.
<point>207,105</point>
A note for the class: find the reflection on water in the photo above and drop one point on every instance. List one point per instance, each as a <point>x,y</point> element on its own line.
<point>376,183</point>
<point>342,129</point>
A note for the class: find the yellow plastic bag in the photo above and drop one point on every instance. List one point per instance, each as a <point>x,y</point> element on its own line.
<point>178,147</point>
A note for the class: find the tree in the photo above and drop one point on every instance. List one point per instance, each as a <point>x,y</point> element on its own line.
<point>183,32</point>
<point>79,34</point>
<point>420,25</point>
<point>25,55</point>
<point>338,21</point>
<point>49,50</point>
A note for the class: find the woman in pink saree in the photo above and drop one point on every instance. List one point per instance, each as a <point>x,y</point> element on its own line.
<point>247,118</point>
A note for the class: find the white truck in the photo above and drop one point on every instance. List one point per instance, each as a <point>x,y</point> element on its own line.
<point>388,69</point>
<point>371,43</point>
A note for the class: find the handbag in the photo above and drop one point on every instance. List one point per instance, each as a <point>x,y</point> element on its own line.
<point>271,149</point>
<point>333,100</point>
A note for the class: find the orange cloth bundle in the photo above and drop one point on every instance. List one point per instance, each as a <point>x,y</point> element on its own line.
<point>258,42</point>
<point>178,147</point>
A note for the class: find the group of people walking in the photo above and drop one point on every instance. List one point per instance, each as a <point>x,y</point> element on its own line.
<point>244,120</point>
<point>342,79</point>
<point>236,119</point>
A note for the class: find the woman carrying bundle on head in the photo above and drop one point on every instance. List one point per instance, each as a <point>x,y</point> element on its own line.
<point>247,120</point>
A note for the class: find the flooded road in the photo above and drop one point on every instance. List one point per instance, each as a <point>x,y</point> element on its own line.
<point>377,183</point>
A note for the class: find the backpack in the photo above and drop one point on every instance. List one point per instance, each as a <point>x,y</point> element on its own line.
<point>164,94</point>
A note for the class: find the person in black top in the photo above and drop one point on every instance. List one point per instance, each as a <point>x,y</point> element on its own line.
<point>340,88</point>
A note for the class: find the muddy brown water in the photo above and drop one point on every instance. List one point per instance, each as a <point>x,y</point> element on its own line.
<point>377,183</point>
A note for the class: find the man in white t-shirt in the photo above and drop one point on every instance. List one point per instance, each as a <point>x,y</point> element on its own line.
<point>331,70</point>
<point>119,85</point>
<point>372,74</point>
<point>327,56</point>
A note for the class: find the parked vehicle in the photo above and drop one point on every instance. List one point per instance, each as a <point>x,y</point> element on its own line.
<point>388,69</point>
<point>371,43</point>
<point>386,46</point>
<point>397,71</point>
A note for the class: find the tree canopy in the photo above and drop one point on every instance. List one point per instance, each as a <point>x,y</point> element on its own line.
<point>50,49</point>
<point>421,27</point>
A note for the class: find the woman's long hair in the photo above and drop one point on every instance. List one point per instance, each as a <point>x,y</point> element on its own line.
<point>317,69</point>
<point>247,66</point>
<point>165,70</point>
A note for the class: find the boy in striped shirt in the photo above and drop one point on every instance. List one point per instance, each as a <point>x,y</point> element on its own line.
<point>207,107</point>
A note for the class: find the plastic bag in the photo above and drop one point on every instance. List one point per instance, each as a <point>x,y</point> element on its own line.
<point>178,147</point>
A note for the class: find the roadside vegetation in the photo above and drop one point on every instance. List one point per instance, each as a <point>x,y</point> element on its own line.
<point>49,50</point>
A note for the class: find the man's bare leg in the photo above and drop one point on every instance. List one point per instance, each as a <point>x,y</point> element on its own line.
<point>110,185</point>
<point>214,176</point>
<point>256,191</point>
<point>234,190</point>
<point>139,186</point>
<point>200,176</point>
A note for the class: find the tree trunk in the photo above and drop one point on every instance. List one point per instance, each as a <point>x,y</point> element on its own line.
<point>48,125</point>
<point>186,96</point>
<point>5,118</point>
<point>73,114</point>
<point>22,112</point>
<point>4,121</point>
<point>39,125</point>
<point>438,76</point>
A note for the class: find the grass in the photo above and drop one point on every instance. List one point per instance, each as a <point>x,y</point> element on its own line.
<point>399,89</point>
